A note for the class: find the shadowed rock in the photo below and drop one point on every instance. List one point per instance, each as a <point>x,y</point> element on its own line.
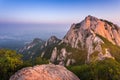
<point>44,72</point>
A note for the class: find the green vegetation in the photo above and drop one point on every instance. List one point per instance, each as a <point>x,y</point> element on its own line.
<point>114,49</point>
<point>108,69</point>
<point>94,56</point>
<point>10,62</point>
<point>39,60</point>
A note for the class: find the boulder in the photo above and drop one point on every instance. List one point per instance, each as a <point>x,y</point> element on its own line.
<point>44,72</point>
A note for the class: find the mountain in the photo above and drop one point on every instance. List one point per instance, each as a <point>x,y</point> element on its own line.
<point>44,72</point>
<point>91,26</point>
<point>48,46</point>
<point>31,49</point>
<point>38,47</point>
<point>90,40</point>
<point>90,49</point>
<point>52,40</point>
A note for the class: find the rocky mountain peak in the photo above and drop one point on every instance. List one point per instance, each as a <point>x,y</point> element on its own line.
<point>92,25</point>
<point>37,40</point>
<point>90,19</point>
<point>52,40</point>
<point>88,36</point>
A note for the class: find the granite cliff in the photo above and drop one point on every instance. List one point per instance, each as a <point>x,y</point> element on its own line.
<point>87,42</point>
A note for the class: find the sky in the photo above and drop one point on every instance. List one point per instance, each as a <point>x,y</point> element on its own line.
<point>57,11</point>
<point>54,12</point>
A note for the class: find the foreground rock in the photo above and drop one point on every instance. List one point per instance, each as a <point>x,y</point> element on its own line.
<point>44,72</point>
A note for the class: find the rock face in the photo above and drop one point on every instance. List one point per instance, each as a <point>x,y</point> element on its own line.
<point>39,47</point>
<point>88,35</point>
<point>52,40</point>
<point>91,26</point>
<point>44,72</point>
<point>48,46</point>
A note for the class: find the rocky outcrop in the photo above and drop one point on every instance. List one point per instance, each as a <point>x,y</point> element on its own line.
<point>49,45</point>
<point>54,55</point>
<point>60,57</point>
<point>86,33</point>
<point>52,40</point>
<point>88,36</point>
<point>92,26</point>
<point>44,72</point>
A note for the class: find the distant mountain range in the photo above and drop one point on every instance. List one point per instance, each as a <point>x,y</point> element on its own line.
<point>90,40</point>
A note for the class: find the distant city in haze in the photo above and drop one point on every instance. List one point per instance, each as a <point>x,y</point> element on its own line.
<point>27,19</point>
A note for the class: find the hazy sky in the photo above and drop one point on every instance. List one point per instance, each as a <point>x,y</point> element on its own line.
<point>52,16</point>
<point>58,11</point>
